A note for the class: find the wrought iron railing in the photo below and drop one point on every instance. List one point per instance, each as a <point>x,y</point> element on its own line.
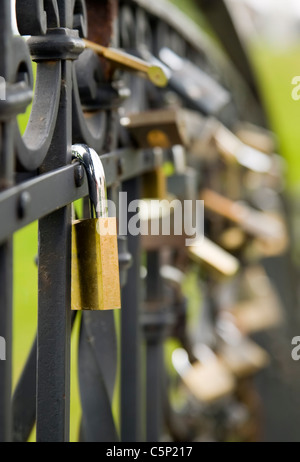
<point>75,100</point>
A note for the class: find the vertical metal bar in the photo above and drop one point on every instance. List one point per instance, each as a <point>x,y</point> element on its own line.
<point>154,356</point>
<point>53,380</point>
<point>130,335</point>
<point>6,332</point>
<point>6,291</point>
<point>6,260</point>
<point>54,314</point>
<point>154,398</point>
<point>24,400</point>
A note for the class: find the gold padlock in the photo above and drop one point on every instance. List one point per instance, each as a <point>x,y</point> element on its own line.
<point>95,264</point>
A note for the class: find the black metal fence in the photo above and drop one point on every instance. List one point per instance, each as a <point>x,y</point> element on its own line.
<point>76,101</point>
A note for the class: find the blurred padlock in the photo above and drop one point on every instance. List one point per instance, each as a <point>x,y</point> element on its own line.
<point>155,129</point>
<point>183,183</point>
<point>232,239</point>
<point>257,137</point>
<point>160,128</point>
<point>240,354</point>
<point>255,223</point>
<point>206,136</point>
<point>215,260</point>
<point>199,90</point>
<point>207,379</point>
<point>260,308</point>
<point>95,264</point>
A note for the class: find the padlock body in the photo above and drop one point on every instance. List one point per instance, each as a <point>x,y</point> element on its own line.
<point>95,265</point>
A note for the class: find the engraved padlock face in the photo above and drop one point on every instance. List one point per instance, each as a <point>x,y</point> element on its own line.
<point>95,263</point>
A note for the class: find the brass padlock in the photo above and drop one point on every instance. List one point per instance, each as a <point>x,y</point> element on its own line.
<point>95,263</point>
<point>260,308</point>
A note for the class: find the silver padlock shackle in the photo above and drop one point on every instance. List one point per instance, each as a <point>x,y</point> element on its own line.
<point>95,176</point>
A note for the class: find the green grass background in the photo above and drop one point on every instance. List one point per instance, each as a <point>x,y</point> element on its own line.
<point>275,70</point>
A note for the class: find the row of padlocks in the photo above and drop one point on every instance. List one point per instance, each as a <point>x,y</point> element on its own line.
<point>238,178</point>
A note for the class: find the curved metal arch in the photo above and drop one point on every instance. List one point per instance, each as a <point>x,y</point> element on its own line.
<point>32,148</point>
<point>90,128</point>
<point>34,17</point>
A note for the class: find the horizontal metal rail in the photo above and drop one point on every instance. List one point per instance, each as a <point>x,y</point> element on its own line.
<point>40,196</point>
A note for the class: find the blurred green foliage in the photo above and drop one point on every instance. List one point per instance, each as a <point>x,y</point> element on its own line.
<point>275,68</point>
<point>190,8</point>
